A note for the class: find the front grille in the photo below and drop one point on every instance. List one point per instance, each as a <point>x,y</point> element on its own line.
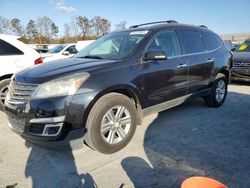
<point>241,64</point>
<point>20,93</point>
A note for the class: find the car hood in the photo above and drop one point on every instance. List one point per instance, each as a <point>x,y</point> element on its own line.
<point>59,68</point>
<point>241,56</point>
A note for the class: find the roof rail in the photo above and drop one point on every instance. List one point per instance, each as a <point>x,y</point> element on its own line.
<point>203,26</point>
<point>151,23</point>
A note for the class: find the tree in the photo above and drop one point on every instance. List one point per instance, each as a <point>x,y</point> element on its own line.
<point>17,27</point>
<point>5,26</point>
<point>54,30</point>
<point>74,27</point>
<point>105,26</point>
<point>101,26</point>
<point>31,30</point>
<point>84,24</point>
<point>44,26</point>
<point>121,25</point>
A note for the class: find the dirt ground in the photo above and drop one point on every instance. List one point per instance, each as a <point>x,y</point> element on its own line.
<point>188,140</point>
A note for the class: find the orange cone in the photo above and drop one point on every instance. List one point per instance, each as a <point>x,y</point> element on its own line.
<point>201,182</point>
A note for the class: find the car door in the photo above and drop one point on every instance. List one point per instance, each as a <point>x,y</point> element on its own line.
<point>164,80</point>
<point>199,61</point>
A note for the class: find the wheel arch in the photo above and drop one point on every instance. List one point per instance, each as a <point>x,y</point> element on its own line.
<point>127,90</point>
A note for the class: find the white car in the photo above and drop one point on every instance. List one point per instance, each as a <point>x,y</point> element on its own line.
<point>59,52</point>
<point>14,56</point>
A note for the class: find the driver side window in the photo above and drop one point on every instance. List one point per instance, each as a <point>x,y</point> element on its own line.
<point>166,42</point>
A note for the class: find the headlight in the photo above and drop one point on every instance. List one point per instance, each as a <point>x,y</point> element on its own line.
<point>61,87</point>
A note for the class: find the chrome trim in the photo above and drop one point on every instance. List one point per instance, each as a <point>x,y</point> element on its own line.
<point>48,120</point>
<point>182,66</point>
<point>19,93</point>
<point>51,126</point>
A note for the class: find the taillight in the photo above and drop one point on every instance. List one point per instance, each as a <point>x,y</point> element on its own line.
<point>39,61</point>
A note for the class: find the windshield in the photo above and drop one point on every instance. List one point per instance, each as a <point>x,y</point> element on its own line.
<point>244,47</point>
<point>113,46</point>
<point>56,49</point>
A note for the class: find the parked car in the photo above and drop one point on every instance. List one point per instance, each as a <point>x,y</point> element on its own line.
<point>105,90</point>
<point>41,48</point>
<point>82,44</point>
<point>14,56</point>
<point>60,52</point>
<point>241,62</point>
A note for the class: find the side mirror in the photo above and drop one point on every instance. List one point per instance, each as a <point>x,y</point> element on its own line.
<point>65,53</point>
<point>155,55</point>
<point>233,49</point>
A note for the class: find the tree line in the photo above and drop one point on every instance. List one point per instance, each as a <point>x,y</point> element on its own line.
<point>44,30</point>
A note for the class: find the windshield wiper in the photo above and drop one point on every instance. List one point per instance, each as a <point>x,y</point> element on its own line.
<point>92,57</point>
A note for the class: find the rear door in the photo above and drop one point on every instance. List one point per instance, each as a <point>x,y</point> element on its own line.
<point>199,61</point>
<point>164,80</point>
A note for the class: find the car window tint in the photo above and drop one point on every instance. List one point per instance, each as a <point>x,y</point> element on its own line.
<point>8,49</point>
<point>211,40</point>
<point>72,50</point>
<point>192,42</point>
<point>166,42</point>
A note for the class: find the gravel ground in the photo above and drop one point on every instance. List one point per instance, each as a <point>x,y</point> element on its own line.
<point>169,147</point>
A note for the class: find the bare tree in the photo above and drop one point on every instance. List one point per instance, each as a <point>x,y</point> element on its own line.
<point>5,26</point>
<point>84,24</point>
<point>66,30</point>
<point>101,26</point>
<point>105,26</point>
<point>121,25</point>
<point>16,26</point>
<point>44,26</point>
<point>74,27</point>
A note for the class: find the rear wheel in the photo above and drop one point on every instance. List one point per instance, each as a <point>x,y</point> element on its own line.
<point>4,88</point>
<point>218,93</point>
<point>111,123</point>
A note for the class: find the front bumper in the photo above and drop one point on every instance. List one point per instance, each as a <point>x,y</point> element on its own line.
<point>241,74</point>
<point>53,122</point>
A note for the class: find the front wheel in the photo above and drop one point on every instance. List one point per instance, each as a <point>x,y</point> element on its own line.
<point>4,88</point>
<point>218,92</point>
<point>111,123</point>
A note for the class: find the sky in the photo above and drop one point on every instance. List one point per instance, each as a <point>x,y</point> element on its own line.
<point>221,16</point>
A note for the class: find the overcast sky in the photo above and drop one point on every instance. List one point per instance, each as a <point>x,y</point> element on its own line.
<point>222,16</point>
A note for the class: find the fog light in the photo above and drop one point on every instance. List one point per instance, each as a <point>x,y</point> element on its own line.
<point>52,129</point>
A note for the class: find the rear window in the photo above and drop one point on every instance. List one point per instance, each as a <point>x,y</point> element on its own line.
<point>8,49</point>
<point>211,40</point>
<point>192,42</point>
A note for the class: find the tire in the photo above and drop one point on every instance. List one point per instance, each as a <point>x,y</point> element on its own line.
<point>218,92</point>
<point>3,90</point>
<point>110,138</point>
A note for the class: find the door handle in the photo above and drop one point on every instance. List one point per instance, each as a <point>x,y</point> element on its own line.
<point>181,66</point>
<point>210,61</point>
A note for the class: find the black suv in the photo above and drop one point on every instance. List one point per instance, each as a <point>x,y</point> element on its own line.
<point>102,93</point>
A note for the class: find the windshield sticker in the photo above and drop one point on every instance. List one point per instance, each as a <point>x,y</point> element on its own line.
<point>242,47</point>
<point>138,33</point>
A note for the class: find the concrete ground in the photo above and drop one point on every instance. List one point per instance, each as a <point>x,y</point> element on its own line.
<point>169,147</point>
